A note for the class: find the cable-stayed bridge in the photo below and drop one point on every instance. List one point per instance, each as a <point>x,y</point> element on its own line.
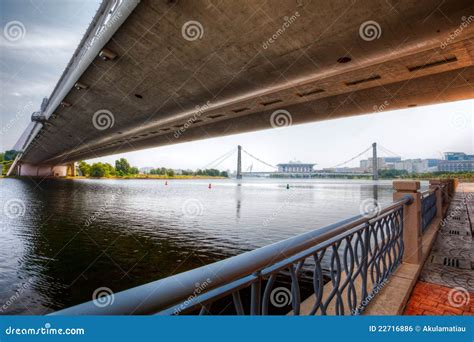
<point>271,169</point>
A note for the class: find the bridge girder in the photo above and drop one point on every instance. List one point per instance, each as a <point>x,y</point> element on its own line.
<point>158,78</point>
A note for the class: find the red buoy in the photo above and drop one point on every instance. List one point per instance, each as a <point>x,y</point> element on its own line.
<point>166,182</point>
<point>210,186</point>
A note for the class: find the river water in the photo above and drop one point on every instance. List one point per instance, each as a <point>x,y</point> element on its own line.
<point>61,239</point>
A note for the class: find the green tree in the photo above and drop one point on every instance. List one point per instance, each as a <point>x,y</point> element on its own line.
<point>393,173</point>
<point>122,167</point>
<point>109,170</point>
<point>85,168</point>
<point>102,170</point>
<point>10,155</point>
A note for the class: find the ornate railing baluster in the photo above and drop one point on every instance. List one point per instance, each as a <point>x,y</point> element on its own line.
<point>365,259</point>
<point>239,308</point>
<point>205,309</point>
<point>295,291</point>
<point>267,292</point>
<point>335,280</point>
<point>318,284</point>
<point>255,295</point>
<point>349,265</point>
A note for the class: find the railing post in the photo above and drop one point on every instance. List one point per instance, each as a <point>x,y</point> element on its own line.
<point>436,185</point>
<point>411,220</point>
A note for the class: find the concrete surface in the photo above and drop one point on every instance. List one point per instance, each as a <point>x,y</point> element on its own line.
<point>421,54</point>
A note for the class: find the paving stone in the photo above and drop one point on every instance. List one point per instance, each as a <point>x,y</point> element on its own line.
<point>450,265</point>
<point>432,299</point>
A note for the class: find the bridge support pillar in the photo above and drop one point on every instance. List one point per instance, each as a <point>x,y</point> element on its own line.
<point>30,170</point>
<point>375,164</point>
<point>71,169</point>
<point>412,236</point>
<point>239,162</point>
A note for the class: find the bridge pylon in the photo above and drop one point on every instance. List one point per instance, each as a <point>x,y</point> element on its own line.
<point>375,169</point>
<point>239,162</point>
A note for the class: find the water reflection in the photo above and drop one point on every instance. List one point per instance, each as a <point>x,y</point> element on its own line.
<point>76,236</point>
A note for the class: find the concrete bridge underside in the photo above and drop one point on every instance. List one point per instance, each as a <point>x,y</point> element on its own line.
<point>317,66</point>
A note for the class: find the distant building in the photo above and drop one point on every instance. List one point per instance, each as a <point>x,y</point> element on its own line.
<point>295,167</point>
<point>416,165</point>
<point>383,163</point>
<point>451,156</point>
<point>433,163</point>
<point>456,162</point>
<point>456,165</point>
<point>392,160</point>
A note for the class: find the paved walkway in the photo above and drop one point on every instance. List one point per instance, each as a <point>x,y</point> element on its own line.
<point>446,282</point>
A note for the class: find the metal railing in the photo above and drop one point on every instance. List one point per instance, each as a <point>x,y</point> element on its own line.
<point>444,194</point>
<point>428,208</point>
<point>337,269</point>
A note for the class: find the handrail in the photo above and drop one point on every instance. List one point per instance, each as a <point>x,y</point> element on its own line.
<point>161,294</point>
<point>428,207</point>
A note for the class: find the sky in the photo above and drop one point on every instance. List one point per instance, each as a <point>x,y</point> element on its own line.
<point>31,65</point>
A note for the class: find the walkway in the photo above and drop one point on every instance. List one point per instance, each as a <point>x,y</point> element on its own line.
<point>446,283</point>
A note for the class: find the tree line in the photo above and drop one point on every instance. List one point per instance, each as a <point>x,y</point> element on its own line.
<point>6,160</point>
<point>206,172</point>
<point>122,168</point>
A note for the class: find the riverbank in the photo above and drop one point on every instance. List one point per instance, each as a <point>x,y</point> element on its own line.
<point>149,177</point>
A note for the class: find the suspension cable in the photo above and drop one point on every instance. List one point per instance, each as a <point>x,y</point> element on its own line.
<point>349,160</point>
<point>389,152</point>
<point>258,159</point>
<point>223,157</point>
<point>223,160</point>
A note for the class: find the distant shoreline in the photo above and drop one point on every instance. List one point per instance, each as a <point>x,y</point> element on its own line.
<point>147,177</point>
